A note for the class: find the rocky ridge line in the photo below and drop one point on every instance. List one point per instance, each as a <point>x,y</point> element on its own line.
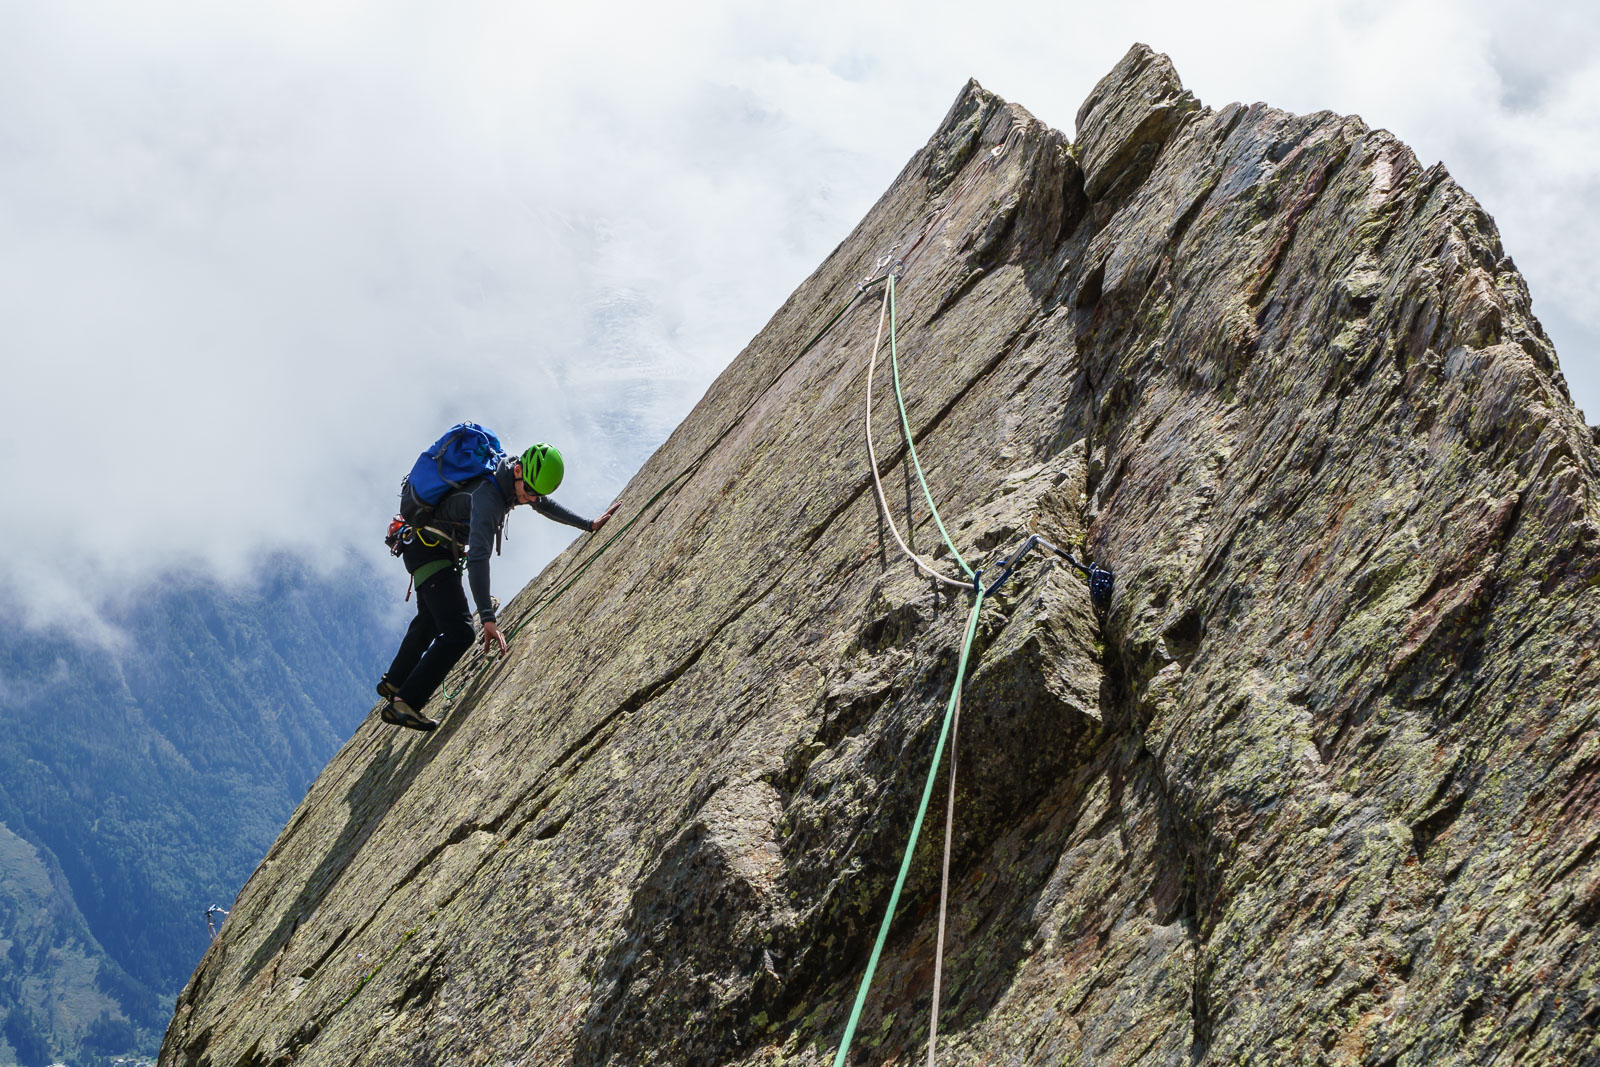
<point>1319,787</point>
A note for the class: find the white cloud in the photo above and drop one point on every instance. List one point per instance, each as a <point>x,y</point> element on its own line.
<point>252,259</point>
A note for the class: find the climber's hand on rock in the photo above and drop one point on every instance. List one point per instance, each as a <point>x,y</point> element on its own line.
<point>491,637</point>
<point>594,526</point>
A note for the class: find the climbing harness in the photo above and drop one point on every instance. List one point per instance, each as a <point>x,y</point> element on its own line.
<point>432,567</point>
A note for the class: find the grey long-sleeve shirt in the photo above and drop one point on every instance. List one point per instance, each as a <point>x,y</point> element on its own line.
<point>481,508</point>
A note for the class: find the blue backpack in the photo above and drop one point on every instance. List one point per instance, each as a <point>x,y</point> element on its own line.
<point>464,454</point>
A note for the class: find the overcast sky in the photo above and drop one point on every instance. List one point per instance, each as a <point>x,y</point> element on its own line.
<point>253,257</point>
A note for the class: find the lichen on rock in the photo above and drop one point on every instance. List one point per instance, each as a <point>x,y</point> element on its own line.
<point>1319,787</point>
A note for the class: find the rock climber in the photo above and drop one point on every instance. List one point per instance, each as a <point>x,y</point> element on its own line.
<point>472,516</point>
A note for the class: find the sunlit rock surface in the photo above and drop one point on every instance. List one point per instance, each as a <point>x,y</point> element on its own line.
<point>1320,787</point>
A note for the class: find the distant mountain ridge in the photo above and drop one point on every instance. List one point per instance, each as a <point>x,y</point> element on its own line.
<point>138,787</point>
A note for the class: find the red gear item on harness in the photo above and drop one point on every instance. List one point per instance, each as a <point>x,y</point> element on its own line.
<point>393,537</point>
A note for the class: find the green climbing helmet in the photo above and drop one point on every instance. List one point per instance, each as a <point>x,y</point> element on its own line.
<point>541,469</point>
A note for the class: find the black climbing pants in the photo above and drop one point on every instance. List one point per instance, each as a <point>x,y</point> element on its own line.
<point>439,636</point>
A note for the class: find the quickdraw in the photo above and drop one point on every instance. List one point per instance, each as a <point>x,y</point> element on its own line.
<point>1102,583</point>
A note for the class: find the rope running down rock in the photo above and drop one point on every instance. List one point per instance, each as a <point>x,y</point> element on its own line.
<point>952,718</point>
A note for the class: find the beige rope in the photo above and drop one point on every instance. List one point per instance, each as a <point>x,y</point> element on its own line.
<point>995,154</point>
<point>955,725</point>
<point>944,885</point>
<point>877,482</point>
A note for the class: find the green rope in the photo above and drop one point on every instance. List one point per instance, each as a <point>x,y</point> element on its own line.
<point>916,830</point>
<point>911,447</point>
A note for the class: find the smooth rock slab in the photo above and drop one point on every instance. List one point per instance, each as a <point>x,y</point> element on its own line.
<point>1320,787</point>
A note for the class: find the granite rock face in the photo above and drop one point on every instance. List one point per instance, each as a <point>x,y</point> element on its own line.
<point>1319,787</point>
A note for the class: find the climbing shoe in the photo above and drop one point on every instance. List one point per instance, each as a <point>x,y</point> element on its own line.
<point>387,689</point>
<point>387,714</point>
<point>405,716</point>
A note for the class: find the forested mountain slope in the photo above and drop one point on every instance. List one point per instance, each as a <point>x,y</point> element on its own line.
<point>140,784</point>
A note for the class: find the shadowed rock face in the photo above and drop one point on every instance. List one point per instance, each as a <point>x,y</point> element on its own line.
<point>1320,786</point>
